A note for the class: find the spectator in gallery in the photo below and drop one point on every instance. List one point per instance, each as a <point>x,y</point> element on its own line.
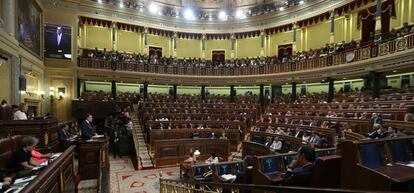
<point>21,113</point>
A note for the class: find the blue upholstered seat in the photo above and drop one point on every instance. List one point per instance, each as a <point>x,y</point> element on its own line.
<point>372,155</point>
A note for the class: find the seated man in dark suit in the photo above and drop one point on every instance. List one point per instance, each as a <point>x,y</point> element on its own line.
<point>87,130</point>
<point>65,137</point>
<point>300,170</point>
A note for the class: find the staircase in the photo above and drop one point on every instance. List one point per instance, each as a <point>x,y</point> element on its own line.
<point>144,159</point>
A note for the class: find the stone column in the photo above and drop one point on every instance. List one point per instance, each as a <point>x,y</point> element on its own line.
<point>293,91</point>
<point>203,92</point>
<point>174,42</point>
<point>203,46</point>
<point>332,29</point>
<point>8,9</point>
<point>262,42</point>
<point>331,90</point>
<point>233,45</point>
<point>174,92</point>
<point>113,89</point>
<point>232,93</point>
<point>378,26</point>
<point>294,39</point>
<point>145,90</point>
<point>78,87</point>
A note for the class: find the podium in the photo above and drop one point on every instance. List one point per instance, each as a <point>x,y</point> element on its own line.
<point>94,162</point>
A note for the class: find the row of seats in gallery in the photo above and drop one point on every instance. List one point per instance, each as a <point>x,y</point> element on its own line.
<point>331,54</point>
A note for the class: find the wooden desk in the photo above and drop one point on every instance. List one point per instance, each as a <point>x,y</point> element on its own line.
<point>57,177</point>
<point>232,134</point>
<point>371,164</point>
<point>397,173</point>
<point>254,149</point>
<point>330,133</point>
<point>361,125</point>
<point>94,162</point>
<point>294,141</point>
<point>46,130</point>
<point>171,152</point>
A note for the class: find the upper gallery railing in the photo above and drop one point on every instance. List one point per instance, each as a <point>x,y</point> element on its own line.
<point>361,53</point>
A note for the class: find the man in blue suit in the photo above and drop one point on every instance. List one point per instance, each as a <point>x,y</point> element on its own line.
<point>87,130</point>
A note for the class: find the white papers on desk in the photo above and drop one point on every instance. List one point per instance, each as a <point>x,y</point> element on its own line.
<point>25,179</point>
<point>14,190</point>
<point>44,163</point>
<point>228,177</point>
<point>56,155</point>
<point>409,164</point>
<point>98,136</point>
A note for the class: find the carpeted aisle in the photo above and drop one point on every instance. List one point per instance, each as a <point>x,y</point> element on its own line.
<point>125,179</point>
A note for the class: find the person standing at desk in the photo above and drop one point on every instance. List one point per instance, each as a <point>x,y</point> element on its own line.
<point>87,130</point>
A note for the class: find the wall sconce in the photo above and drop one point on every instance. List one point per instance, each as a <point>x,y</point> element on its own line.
<point>61,95</point>
<point>41,93</point>
<point>52,91</point>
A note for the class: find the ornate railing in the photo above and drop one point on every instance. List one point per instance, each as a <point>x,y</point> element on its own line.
<point>180,186</point>
<point>361,53</point>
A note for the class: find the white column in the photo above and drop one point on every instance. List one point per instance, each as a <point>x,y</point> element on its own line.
<point>9,16</point>
<point>294,39</point>
<point>332,28</point>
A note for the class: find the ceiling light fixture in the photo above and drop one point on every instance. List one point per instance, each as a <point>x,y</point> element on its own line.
<point>153,8</point>
<point>281,8</point>
<point>188,14</point>
<point>121,5</point>
<point>301,2</point>
<point>240,14</point>
<point>223,15</point>
<point>99,1</point>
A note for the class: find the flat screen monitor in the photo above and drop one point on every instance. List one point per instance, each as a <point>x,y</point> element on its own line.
<point>58,41</point>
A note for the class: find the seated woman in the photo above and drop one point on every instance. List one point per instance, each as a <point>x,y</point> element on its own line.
<point>213,159</point>
<point>22,159</point>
